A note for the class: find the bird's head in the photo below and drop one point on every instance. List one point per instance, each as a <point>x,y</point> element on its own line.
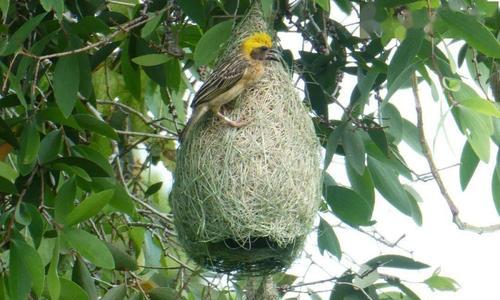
<point>258,46</point>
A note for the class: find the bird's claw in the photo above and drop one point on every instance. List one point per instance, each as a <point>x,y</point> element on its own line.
<point>233,123</point>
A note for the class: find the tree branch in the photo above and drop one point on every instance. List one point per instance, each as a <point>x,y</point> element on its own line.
<point>126,28</point>
<point>435,172</point>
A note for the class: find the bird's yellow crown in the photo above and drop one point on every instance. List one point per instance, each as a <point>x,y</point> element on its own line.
<point>256,40</point>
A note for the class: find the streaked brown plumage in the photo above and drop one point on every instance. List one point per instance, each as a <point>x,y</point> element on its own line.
<point>231,78</point>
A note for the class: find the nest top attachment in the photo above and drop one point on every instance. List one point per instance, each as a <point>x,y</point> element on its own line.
<point>244,199</point>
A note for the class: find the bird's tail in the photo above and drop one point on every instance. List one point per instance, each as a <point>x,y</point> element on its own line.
<point>198,113</point>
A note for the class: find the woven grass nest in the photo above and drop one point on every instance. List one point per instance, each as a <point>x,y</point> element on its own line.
<point>245,199</point>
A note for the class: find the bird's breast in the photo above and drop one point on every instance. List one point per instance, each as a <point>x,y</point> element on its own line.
<point>253,73</point>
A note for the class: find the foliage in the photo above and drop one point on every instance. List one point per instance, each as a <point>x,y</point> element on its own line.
<point>87,82</point>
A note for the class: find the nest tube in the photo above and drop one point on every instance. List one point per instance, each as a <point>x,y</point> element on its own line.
<point>244,199</point>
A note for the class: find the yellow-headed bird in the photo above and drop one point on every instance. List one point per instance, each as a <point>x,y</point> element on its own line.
<point>231,78</point>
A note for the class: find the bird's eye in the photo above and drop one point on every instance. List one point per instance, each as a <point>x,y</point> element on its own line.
<point>264,48</point>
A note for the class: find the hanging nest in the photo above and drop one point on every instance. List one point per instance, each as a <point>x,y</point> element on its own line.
<point>245,199</point>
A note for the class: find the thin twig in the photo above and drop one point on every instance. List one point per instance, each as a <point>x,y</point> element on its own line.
<point>127,27</point>
<point>6,79</point>
<point>129,109</point>
<point>146,134</point>
<point>151,209</point>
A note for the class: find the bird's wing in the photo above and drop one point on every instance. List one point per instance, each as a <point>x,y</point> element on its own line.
<point>224,77</point>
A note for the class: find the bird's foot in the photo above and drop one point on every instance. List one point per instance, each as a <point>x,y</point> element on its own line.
<point>233,123</point>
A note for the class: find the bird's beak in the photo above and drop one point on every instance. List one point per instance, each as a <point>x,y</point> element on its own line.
<point>273,54</point>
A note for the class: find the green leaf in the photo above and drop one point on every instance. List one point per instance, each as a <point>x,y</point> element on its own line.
<point>19,283</point>
<point>30,143</point>
<point>267,8</point>
<point>354,149</point>
<point>15,85</point>
<point>347,291</point>
<point>327,240</point>
<point>416,213</point>
<point>163,293</point>
<point>468,164</point>
<point>495,188</point>
<point>332,143</point>
<point>116,293</point>
<point>85,87</point>
<point>89,207</point>
<point>365,84</point>
<point>36,226</point>
<point>8,172</point>
<point>396,261</point>
<point>89,25</point>
<point>149,60</point>
<point>90,167</point>
<point>22,215</point>
<point>349,206</point>
<point>81,276</point>
<point>4,7</point>
<point>387,183</point>
<point>138,47</point>
<point>411,136</point>
<point>362,184</point>
<point>50,146</point>
<point>54,114</point>
<point>441,283</point>
<point>378,136</point>
<point>392,160</point>
<point>53,284</point>
<point>95,156</point>
<point>89,246</point>
<point>391,118</point>
<point>481,106</point>
<point>409,293</point>
<point>56,5</point>
<point>324,4</point>
<point>72,291</point>
<point>478,128</point>
<point>393,3</point>
<point>402,59</point>
<point>150,26</point>
<point>401,79</point>
<point>173,70</point>
<point>210,43</point>
<point>93,124</point>
<point>153,188</point>
<point>6,186</point>
<point>7,134</point>
<point>344,5</point>
<point>33,264</point>
<point>195,10</point>
<point>121,200</point>
<point>3,287</point>
<point>71,170</point>
<point>123,261</point>
<point>189,35</point>
<point>18,38</point>
<point>473,32</point>
<point>131,75</point>
<point>100,55</point>
<point>66,83</point>
<point>64,200</point>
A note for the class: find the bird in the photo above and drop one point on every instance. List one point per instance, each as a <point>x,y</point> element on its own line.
<point>231,77</point>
